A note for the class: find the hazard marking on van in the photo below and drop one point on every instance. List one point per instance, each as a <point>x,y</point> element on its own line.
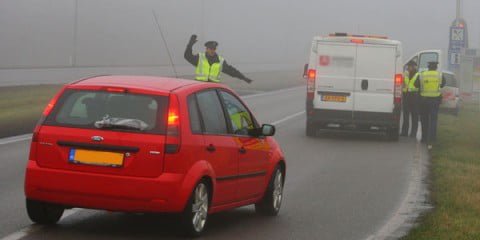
<point>324,60</point>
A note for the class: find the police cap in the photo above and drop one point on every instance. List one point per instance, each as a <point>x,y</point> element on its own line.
<point>211,44</point>
<point>412,63</point>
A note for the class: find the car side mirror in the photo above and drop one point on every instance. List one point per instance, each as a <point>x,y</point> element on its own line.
<point>266,130</point>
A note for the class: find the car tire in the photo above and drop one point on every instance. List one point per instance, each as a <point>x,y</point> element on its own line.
<point>272,200</point>
<point>195,216</point>
<point>310,130</point>
<point>44,213</point>
<point>393,134</point>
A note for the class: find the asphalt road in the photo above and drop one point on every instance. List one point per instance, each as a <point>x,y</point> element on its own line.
<point>339,186</point>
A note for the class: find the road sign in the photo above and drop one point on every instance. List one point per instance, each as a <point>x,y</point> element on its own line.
<point>458,41</point>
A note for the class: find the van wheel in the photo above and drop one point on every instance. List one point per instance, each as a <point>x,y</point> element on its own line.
<point>195,215</point>
<point>44,213</point>
<point>310,130</point>
<point>272,201</point>
<point>393,134</point>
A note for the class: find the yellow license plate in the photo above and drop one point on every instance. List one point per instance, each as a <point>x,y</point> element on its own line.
<point>99,158</point>
<point>332,98</point>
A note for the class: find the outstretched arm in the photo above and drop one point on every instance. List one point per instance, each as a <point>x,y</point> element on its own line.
<point>193,59</point>
<point>233,72</point>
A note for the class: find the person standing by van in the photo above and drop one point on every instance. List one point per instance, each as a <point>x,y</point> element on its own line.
<point>431,82</point>
<point>209,65</point>
<point>411,100</point>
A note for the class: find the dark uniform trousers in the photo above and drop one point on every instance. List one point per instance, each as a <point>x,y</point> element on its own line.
<point>411,108</point>
<point>429,118</point>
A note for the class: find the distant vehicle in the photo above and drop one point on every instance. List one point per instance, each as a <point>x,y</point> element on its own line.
<point>354,83</point>
<point>450,94</point>
<point>150,144</point>
<point>422,59</point>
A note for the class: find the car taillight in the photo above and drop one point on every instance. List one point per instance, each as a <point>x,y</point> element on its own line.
<point>312,75</point>
<point>172,142</point>
<point>398,88</point>
<point>48,109</point>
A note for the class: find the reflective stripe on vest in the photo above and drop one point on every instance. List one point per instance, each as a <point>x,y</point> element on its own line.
<point>409,84</point>
<point>206,72</point>
<point>430,84</point>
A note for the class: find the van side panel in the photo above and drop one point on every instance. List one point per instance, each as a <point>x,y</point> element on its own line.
<point>374,81</point>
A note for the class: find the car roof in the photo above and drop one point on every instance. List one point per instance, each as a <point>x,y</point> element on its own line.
<point>161,84</point>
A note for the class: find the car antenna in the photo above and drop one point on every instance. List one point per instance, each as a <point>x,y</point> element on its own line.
<point>165,42</point>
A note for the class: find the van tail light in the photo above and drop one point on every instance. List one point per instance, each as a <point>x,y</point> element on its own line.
<point>398,88</point>
<point>312,75</point>
<point>172,142</point>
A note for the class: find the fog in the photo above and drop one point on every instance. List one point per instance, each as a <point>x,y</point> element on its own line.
<point>120,36</point>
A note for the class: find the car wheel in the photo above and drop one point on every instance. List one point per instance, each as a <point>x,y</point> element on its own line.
<point>272,201</point>
<point>310,130</point>
<point>393,134</point>
<point>195,215</point>
<point>44,213</point>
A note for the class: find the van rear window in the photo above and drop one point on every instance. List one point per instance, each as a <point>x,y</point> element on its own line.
<point>112,111</point>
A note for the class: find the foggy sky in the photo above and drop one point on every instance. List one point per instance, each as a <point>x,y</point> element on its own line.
<point>122,32</point>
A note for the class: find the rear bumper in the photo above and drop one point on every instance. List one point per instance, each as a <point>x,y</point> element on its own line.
<point>98,191</point>
<point>365,121</point>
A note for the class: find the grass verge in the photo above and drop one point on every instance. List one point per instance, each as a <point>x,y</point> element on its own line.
<point>455,182</point>
<point>21,107</point>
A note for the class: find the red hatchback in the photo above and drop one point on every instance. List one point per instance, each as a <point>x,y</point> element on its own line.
<point>151,144</point>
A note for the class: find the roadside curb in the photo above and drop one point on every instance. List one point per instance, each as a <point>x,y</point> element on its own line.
<point>415,202</point>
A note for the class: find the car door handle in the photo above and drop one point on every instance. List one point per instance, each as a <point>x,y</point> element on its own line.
<point>211,148</point>
<point>242,150</point>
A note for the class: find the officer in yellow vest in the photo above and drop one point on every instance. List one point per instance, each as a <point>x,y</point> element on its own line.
<point>411,100</point>
<point>431,82</point>
<point>209,65</point>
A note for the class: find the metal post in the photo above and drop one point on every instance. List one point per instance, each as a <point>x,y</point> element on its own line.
<point>75,30</point>
<point>459,9</point>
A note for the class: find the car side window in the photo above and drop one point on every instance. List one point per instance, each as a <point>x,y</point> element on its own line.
<point>212,112</point>
<point>238,115</point>
<point>195,122</point>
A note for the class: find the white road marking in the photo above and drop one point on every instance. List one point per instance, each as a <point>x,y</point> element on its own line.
<point>34,228</point>
<point>271,92</point>
<point>288,118</point>
<point>411,206</point>
<point>15,139</point>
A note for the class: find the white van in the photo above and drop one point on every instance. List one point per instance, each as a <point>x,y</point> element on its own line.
<point>354,83</point>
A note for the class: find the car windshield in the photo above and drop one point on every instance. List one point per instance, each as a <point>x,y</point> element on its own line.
<point>106,110</point>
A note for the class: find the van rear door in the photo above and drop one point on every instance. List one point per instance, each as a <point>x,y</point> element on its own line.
<point>335,76</point>
<point>375,79</point>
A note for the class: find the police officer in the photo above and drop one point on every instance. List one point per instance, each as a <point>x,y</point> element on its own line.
<point>209,65</point>
<point>410,99</point>
<point>431,82</point>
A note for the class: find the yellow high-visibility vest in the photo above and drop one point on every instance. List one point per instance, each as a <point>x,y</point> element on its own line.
<point>206,72</point>
<point>409,84</point>
<point>430,82</point>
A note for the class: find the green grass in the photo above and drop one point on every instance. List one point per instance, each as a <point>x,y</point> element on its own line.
<point>21,107</point>
<point>455,180</point>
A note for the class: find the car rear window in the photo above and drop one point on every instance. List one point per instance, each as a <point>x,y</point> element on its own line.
<point>85,109</point>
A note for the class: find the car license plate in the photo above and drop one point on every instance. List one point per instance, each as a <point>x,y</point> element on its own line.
<point>98,158</point>
<point>333,98</point>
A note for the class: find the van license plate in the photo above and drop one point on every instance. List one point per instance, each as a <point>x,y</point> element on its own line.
<point>332,98</point>
<point>98,158</point>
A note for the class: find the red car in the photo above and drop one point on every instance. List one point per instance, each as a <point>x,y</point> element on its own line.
<point>151,144</point>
